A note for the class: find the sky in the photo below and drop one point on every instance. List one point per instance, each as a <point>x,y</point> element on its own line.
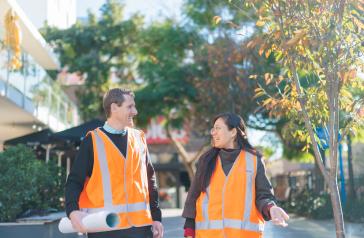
<point>151,9</point>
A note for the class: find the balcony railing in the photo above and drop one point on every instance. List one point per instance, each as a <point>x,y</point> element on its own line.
<point>32,89</point>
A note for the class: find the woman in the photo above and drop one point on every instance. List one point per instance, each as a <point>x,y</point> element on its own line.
<point>230,196</point>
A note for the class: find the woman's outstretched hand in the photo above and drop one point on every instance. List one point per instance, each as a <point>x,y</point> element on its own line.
<point>279,216</point>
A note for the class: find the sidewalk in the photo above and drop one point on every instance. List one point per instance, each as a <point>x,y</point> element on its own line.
<point>298,227</point>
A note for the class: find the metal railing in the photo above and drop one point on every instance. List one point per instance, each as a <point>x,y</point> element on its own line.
<point>31,88</point>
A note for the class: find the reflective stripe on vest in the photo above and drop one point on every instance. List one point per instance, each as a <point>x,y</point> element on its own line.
<point>244,223</point>
<point>249,186</point>
<point>105,174</point>
<point>229,223</point>
<point>131,207</point>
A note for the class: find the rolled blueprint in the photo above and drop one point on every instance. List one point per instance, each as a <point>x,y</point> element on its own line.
<point>95,222</point>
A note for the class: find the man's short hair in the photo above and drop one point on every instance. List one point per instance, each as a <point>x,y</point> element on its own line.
<point>115,95</point>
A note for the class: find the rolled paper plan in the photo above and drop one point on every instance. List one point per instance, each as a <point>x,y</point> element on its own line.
<point>95,222</point>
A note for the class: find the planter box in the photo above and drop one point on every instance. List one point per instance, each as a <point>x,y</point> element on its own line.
<point>36,227</point>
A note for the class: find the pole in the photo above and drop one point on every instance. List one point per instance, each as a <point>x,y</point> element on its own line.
<point>350,168</point>
<point>342,177</point>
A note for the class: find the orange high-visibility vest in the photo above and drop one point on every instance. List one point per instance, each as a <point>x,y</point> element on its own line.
<point>227,209</point>
<point>119,184</point>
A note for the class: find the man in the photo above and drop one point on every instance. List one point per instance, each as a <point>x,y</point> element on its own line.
<point>113,172</point>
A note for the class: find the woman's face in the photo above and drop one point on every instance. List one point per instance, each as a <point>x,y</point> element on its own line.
<point>222,137</point>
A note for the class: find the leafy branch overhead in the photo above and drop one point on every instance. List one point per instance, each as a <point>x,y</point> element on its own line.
<point>315,49</point>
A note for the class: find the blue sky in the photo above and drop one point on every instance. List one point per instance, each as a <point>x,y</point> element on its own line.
<point>152,9</point>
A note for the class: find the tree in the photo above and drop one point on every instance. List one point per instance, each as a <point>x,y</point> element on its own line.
<point>166,73</point>
<point>187,79</point>
<point>218,21</point>
<point>96,48</point>
<point>206,14</point>
<point>318,41</point>
<point>224,84</point>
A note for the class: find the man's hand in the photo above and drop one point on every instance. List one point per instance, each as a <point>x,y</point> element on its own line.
<point>279,216</point>
<point>157,229</point>
<point>76,220</point>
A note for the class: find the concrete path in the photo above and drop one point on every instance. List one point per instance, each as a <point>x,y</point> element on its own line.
<point>298,227</point>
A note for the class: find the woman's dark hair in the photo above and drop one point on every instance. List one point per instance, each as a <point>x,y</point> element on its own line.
<point>207,162</point>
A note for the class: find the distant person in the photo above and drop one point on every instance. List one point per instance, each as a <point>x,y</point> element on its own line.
<point>113,172</point>
<point>230,196</point>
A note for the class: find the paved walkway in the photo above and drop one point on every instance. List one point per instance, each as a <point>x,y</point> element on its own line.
<point>298,228</point>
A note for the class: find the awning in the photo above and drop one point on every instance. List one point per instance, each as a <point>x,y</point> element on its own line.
<point>46,136</point>
<point>75,134</point>
<point>36,138</point>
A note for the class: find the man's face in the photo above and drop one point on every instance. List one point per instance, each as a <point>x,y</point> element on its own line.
<point>125,113</point>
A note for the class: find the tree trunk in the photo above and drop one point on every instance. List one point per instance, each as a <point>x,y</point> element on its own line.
<point>330,178</point>
<point>185,158</point>
<point>337,209</point>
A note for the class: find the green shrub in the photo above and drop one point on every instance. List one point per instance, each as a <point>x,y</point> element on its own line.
<point>354,211</point>
<point>318,206</point>
<point>310,204</point>
<point>27,183</point>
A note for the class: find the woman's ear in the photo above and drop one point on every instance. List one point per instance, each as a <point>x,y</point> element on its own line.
<point>234,133</point>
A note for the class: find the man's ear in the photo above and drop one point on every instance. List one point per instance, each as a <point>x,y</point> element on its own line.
<point>113,107</point>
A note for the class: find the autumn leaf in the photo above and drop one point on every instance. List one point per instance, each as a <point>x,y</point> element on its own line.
<point>268,78</point>
<point>154,59</point>
<point>258,92</point>
<point>260,23</point>
<point>299,34</point>
<point>360,7</point>
<point>217,19</point>
<point>277,34</point>
<point>358,23</point>
<point>251,44</point>
<point>291,42</point>
<point>352,73</point>
<point>298,106</point>
<point>267,53</point>
<point>262,48</point>
<point>267,101</point>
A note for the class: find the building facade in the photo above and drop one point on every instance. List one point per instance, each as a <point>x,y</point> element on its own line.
<point>30,100</point>
<point>57,13</point>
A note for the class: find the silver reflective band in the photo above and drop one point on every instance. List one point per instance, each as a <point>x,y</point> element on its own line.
<point>105,174</point>
<point>132,207</point>
<point>205,204</point>
<point>249,160</point>
<point>229,223</point>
